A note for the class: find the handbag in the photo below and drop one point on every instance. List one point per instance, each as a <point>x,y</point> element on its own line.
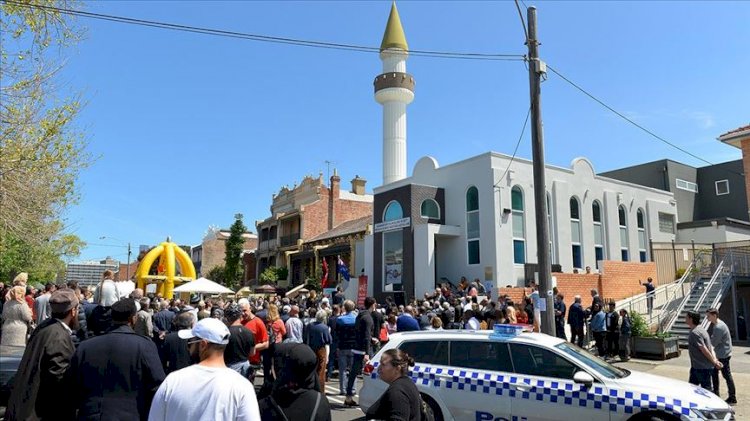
<point>383,336</point>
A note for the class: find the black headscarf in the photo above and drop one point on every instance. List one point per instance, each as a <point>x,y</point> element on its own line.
<point>294,365</point>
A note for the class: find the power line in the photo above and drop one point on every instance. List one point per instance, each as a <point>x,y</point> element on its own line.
<point>523,130</point>
<point>619,114</point>
<point>267,38</point>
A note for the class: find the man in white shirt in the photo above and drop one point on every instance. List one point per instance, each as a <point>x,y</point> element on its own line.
<point>106,293</point>
<point>207,390</point>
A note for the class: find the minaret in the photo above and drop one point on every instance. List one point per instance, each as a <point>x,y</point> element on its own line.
<point>394,89</point>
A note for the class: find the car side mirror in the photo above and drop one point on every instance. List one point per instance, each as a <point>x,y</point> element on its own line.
<point>583,378</point>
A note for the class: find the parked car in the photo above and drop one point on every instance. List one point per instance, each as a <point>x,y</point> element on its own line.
<point>481,375</point>
<point>11,358</point>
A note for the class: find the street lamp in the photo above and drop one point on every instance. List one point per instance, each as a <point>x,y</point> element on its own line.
<point>127,268</point>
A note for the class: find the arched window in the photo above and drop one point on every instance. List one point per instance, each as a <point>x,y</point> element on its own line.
<point>393,212</point>
<point>575,232</point>
<point>472,225</point>
<point>641,235</point>
<point>519,233</point>
<point>622,216</point>
<point>551,229</point>
<point>599,238</point>
<point>430,209</point>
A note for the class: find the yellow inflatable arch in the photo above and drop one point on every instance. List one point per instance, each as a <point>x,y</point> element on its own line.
<point>168,254</point>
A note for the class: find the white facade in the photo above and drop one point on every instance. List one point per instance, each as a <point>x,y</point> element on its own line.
<point>443,251</point>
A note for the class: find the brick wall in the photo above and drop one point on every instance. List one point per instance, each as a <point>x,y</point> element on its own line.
<point>122,275</point>
<point>620,279</point>
<point>319,216</point>
<point>315,218</point>
<point>572,284</point>
<point>617,280</point>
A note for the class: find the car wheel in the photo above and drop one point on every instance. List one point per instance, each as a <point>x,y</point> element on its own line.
<point>654,416</point>
<point>436,412</point>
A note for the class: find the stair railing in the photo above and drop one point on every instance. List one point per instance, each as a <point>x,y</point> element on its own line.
<point>665,319</point>
<point>719,271</point>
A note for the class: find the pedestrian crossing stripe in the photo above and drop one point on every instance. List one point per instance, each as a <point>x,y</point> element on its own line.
<point>562,391</point>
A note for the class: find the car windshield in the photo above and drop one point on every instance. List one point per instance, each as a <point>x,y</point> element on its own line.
<point>600,366</point>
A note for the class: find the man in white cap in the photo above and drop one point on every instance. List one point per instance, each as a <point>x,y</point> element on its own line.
<point>207,390</point>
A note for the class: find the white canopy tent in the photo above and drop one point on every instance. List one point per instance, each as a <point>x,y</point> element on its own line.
<point>203,285</point>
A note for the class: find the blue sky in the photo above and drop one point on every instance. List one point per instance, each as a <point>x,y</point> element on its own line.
<point>191,129</point>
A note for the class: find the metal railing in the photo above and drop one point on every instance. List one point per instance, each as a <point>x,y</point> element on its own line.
<point>685,286</point>
<point>289,240</point>
<point>666,298</point>
<point>709,286</point>
<point>726,282</point>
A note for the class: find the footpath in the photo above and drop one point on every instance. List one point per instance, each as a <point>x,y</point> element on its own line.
<point>679,368</point>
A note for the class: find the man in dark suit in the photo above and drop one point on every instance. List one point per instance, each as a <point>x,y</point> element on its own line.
<point>115,376</point>
<point>174,352</point>
<point>39,391</point>
<point>576,320</point>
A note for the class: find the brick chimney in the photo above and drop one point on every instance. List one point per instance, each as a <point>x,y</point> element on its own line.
<point>333,197</point>
<point>358,185</point>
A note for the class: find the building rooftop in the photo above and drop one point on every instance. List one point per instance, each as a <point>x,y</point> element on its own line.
<point>734,137</point>
<point>345,228</point>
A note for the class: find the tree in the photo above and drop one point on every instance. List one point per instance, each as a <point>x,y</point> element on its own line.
<point>41,153</point>
<point>216,274</point>
<point>232,268</point>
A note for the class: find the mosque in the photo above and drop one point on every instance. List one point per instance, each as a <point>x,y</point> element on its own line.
<point>475,217</point>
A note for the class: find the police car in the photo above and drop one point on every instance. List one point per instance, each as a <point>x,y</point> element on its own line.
<point>496,376</point>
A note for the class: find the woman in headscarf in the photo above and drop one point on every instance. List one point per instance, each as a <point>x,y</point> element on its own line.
<point>401,401</point>
<point>296,392</point>
<point>16,318</point>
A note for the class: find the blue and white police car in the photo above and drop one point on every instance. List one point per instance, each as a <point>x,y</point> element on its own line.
<point>486,376</point>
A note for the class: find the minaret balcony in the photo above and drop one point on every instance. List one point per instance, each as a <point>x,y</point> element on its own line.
<point>394,80</point>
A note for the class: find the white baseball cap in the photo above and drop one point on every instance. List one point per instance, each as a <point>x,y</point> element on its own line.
<point>209,329</point>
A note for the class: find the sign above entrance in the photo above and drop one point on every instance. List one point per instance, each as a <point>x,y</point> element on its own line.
<point>392,225</point>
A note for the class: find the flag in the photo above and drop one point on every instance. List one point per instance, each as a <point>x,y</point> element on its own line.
<point>342,269</point>
<point>324,281</point>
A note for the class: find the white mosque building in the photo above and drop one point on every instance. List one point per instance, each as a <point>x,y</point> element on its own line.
<point>472,218</point>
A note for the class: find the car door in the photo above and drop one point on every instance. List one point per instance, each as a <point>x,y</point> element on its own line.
<point>475,386</point>
<point>430,357</point>
<point>543,388</point>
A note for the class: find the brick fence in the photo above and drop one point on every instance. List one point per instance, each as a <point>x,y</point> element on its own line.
<point>616,281</point>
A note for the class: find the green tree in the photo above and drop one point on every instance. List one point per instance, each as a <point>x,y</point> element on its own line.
<point>269,275</point>
<point>232,268</point>
<point>41,153</point>
<point>216,274</point>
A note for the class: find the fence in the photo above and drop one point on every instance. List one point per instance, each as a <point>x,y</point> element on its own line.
<point>671,257</point>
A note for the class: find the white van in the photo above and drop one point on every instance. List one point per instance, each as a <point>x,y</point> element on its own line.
<point>475,375</point>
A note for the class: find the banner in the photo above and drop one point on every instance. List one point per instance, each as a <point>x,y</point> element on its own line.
<point>362,291</point>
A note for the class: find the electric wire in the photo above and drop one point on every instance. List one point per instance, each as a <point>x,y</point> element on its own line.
<point>512,157</point>
<point>619,114</point>
<point>267,38</point>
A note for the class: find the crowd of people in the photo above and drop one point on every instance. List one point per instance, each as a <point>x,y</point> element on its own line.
<point>117,353</point>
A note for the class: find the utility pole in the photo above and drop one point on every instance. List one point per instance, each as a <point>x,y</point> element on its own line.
<point>536,69</point>
<point>128,267</point>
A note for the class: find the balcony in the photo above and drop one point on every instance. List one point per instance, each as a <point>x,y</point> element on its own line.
<point>289,240</point>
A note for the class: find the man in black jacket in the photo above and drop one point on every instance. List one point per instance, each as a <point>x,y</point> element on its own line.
<point>362,350</point>
<point>576,320</point>
<point>115,376</point>
<point>39,391</point>
<point>613,331</point>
